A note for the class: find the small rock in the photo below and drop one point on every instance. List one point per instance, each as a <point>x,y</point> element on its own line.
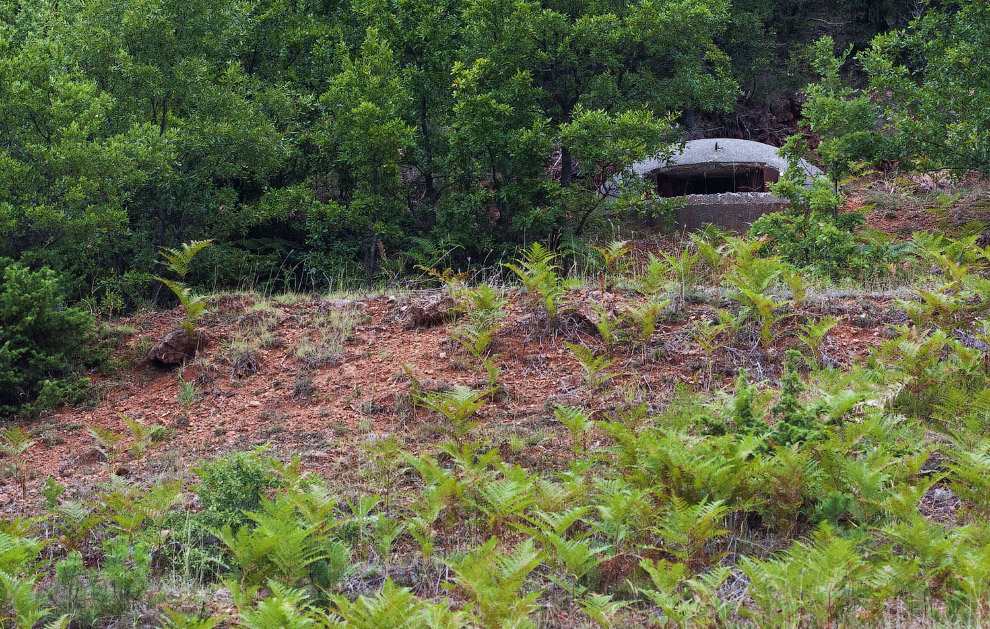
<point>942,495</point>
<point>254,403</point>
<point>431,310</point>
<point>177,347</point>
<point>329,305</point>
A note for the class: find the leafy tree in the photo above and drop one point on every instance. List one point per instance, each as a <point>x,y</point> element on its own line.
<point>925,98</point>
<point>366,134</point>
<point>42,342</point>
<point>608,145</point>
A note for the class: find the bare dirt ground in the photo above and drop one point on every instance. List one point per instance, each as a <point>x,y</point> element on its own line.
<point>323,415</point>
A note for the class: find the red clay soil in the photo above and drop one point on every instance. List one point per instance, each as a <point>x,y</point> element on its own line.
<point>366,393</point>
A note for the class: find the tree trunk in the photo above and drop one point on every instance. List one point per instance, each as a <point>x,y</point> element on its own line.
<point>566,168</point>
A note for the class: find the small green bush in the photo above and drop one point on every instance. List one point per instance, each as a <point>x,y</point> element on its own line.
<point>92,596</point>
<point>821,241</point>
<point>231,485</point>
<point>41,342</point>
<point>796,421</point>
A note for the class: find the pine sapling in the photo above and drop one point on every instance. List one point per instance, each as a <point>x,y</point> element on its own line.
<point>795,422</point>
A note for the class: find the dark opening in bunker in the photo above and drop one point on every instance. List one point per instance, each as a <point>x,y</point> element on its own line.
<point>714,179</point>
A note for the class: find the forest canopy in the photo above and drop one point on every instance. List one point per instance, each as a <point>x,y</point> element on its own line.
<point>318,140</point>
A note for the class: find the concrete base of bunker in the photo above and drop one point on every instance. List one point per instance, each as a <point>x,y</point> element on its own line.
<point>734,211</point>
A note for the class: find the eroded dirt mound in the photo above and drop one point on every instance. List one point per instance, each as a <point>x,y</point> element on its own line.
<point>317,379</point>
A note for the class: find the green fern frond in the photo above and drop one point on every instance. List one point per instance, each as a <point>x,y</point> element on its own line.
<point>179,260</point>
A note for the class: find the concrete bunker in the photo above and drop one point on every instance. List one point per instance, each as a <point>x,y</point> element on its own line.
<point>723,181</point>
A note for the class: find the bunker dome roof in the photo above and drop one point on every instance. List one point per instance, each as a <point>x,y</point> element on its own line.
<point>724,152</point>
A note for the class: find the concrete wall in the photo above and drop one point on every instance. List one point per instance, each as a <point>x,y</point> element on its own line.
<point>732,211</point>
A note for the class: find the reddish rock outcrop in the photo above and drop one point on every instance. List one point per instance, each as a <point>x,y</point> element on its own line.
<point>177,347</point>
<point>430,310</point>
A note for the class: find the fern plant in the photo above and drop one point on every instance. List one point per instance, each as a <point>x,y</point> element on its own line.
<point>506,500</point>
<point>814,333</point>
<point>182,620</point>
<point>681,268</point>
<point>712,251</point>
<point>708,336</point>
<point>392,607</point>
<point>808,584</point>
<point>178,261</point>
<point>603,609</point>
<point>457,407</point>
<point>688,529</point>
<point>653,279</point>
<point>642,321</point>
<point>492,580</point>
<point>614,258</point>
<point>542,282</point>
<point>14,444</point>
<point>607,326</point>
<point>578,424</point>
<point>142,437</point>
<point>109,443</point>
<point>474,337</point>
<point>280,546</point>
<point>795,281</point>
<point>286,607</point>
<point>968,476</point>
<point>764,310</point>
<point>691,603</point>
<point>483,305</point>
<point>594,368</point>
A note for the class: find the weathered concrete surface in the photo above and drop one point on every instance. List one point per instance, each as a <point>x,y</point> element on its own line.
<point>729,151</point>
<point>733,210</point>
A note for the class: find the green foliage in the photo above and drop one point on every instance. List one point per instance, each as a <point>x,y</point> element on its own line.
<point>614,261</point>
<point>93,595</point>
<point>681,268</point>
<point>923,74</point>
<point>594,368</point>
<point>811,234</point>
<point>178,261</point>
<point>457,407</point>
<point>542,282</point>
<point>42,342</point>
<point>233,485</point>
<point>796,423</point>
<point>578,424</point>
<point>814,582</point>
<point>814,333</point>
<point>14,442</point>
<point>492,580</point>
<point>686,602</point>
<point>744,415</point>
<point>390,607</point>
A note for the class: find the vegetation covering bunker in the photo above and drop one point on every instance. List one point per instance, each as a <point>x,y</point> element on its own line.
<point>723,181</point>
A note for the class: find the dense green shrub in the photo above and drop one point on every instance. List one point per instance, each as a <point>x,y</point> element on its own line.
<point>92,596</point>
<point>41,342</point>
<point>231,485</point>
<point>817,240</point>
<point>797,421</point>
<point>812,233</point>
